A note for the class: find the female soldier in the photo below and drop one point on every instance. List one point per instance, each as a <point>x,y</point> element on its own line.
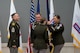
<point>56,29</point>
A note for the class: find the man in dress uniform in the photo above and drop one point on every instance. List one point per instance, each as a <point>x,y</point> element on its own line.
<point>14,28</point>
<point>39,35</point>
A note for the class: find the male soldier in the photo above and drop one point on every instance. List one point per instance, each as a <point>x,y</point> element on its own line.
<point>14,28</point>
<point>39,35</point>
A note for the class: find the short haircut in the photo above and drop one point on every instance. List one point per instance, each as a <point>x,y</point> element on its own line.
<point>57,16</point>
<point>13,14</point>
<point>37,14</point>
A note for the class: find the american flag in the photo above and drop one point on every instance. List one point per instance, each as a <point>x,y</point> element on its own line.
<point>32,19</point>
<point>32,12</point>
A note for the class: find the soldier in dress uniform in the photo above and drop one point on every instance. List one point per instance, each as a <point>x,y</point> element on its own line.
<point>56,29</point>
<point>14,28</point>
<point>39,35</point>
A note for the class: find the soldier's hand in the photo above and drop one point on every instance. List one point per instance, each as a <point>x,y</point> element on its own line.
<point>48,22</point>
<point>50,44</point>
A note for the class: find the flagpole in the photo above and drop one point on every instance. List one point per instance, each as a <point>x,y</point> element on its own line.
<point>0,43</point>
<point>20,40</point>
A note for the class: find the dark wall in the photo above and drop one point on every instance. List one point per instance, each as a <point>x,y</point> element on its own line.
<point>62,7</point>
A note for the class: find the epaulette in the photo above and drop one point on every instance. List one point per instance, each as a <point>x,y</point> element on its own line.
<point>13,23</point>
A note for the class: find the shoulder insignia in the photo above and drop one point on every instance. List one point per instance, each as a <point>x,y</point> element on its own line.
<point>60,25</point>
<point>13,29</point>
<point>13,24</point>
